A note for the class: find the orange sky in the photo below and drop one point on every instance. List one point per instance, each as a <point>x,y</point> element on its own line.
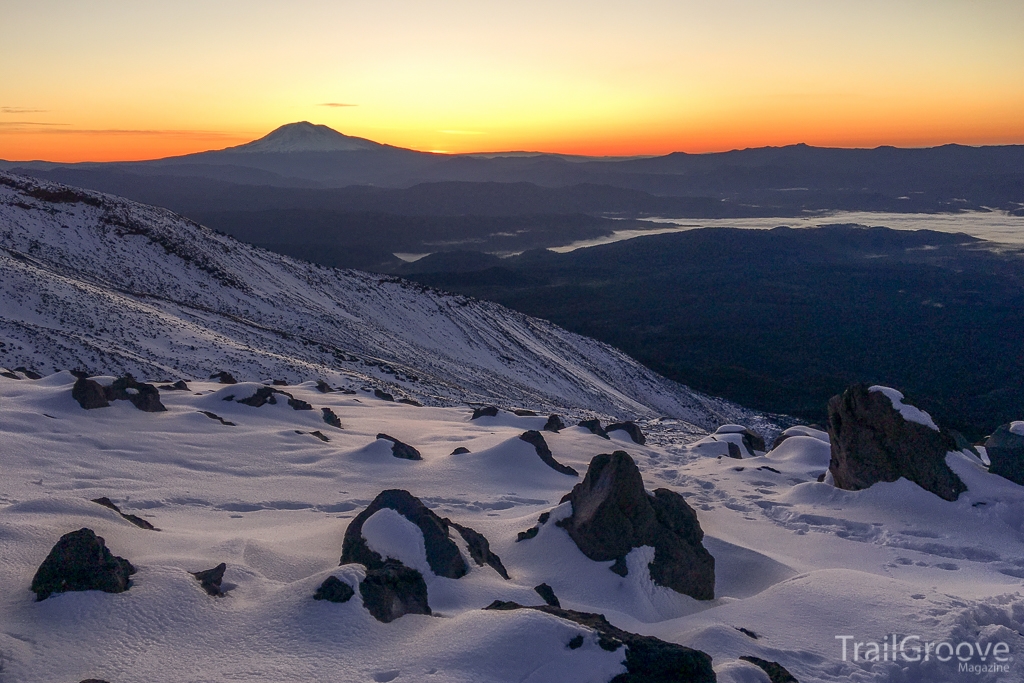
<point>111,80</point>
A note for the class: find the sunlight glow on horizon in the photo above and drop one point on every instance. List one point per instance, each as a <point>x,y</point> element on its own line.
<point>116,80</point>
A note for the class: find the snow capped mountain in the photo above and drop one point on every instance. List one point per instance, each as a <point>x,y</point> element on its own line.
<point>305,137</point>
<point>97,282</point>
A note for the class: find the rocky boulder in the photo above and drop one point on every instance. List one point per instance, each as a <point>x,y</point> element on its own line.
<point>776,672</point>
<point>631,428</point>
<point>393,590</point>
<point>485,411</point>
<point>180,385</point>
<point>224,377</point>
<point>330,417</point>
<point>547,594</point>
<point>613,514</point>
<point>479,548</point>
<point>134,519</point>
<point>460,450</point>
<point>90,394</point>
<point>647,659</point>
<point>210,579</point>
<point>145,397</point>
<point>536,439</point>
<point>873,441</point>
<point>383,395</point>
<point>334,590</point>
<point>80,561</point>
<point>554,424</point>
<point>443,554</point>
<point>1005,450</point>
<point>400,449</point>
<point>594,427</point>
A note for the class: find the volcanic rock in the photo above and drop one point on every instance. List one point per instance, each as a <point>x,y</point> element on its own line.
<point>647,659</point>
<point>400,449</point>
<point>776,672</point>
<point>224,377</point>
<point>613,514</point>
<point>1005,450</point>
<point>210,579</point>
<point>393,590</point>
<point>595,427</point>
<point>479,548</point>
<point>134,519</point>
<point>522,412</point>
<point>460,450</point>
<point>90,394</point>
<point>486,411</point>
<point>330,417</point>
<point>334,590</point>
<point>630,428</point>
<point>536,439</point>
<point>145,397</point>
<point>872,442</point>
<point>410,402</point>
<point>443,554</point>
<point>383,395</point>
<point>323,387</point>
<point>80,561</point>
<point>554,424</point>
<point>180,385</point>
<point>31,374</point>
<point>547,594</point>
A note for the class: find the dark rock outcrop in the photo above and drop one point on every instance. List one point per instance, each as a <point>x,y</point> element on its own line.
<point>89,393</point>
<point>30,374</point>
<point>134,519</point>
<point>393,590</point>
<point>334,590</point>
<point>752,441</point>
<point>630,428</point>
<point>215,416</point>
<point>410,402</point>
<point>776,672</point>
<point>443,554</point>
<point>9,375</point>
<point>522,412</point>
<point>210,579</point>
<point>536,439</point>
<point>320,435</point>
<point>486,411</point>
<point>145,397</point>
<point>279,382</point>
<point>554,424</point>
<point>383,395</point>
<point>80,561</point>
<point>323,387</point>
<point>180,385</point>
<point>594,426</point>
<point>330,417</point>
<point>613,513</point>
<point>400,449</point>
<point>547,594</point>
<point>224,377</point>
<point>299,404</point>
<point>734,450</point>
<point>479,548</point>
<point>460,450</point>
<point>1006,453</point>
<point>872,442</point>
<point>647,659</point>
<point>263,396</point>
<point>962,444</point>
<point>535,529</point>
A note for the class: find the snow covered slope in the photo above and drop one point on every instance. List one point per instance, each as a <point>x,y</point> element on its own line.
<point>797,562</point>
<point>100,283</point>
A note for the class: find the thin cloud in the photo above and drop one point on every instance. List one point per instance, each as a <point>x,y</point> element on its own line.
<point>21,110</point>
<point>57,128</point>
<point>336,104</point>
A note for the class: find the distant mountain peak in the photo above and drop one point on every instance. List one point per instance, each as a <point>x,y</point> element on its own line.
<point>304,136</point>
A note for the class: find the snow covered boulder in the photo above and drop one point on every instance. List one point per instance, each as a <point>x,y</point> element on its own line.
<point>554,424</point>
<point>647,659</point>
<point>485,411</point>
<point>875,437</point>
<point>80,561</point>
<point>594,427</point>
<point>443,554</point>
<point>224,377</point>
<point>536,439</point>
<point>145,397</point>
<point>1005,449</point>
<point>776,672</point>
<point>751,440</point>
<point>631,428</point>
<point>400,449</point>
<point>393,590</point>
<point>334,589</point>
<point>210,579</point>
<point>479,548</point>
<point>612,514</point>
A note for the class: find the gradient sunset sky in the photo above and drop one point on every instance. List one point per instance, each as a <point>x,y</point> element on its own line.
<point>105,80</point>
